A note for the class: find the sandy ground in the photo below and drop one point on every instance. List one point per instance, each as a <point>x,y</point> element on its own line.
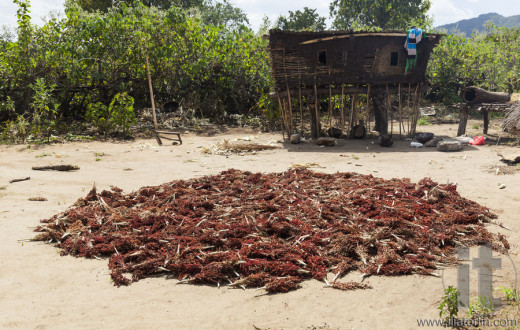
<point>39,289</point>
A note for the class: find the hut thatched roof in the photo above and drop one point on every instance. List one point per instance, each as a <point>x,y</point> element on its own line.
<point>512,121</point>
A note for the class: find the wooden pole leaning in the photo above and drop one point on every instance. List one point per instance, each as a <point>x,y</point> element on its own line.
<point>149,76</point>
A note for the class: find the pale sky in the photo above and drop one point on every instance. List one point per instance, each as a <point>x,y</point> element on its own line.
<point>443,11</point>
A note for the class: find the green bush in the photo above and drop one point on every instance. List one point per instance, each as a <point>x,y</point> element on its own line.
<point>45,108</point>
<point>423,121</point>
<point>7,108</point>
<point>449,306</point>
<point>121,113</point>
<point>8,132</point>
<point>15,130</point>
<point>118,117</point>
<point>98,115</point>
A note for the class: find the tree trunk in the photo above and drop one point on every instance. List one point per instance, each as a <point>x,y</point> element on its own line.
<point>380,113</point>
<point>315,129</point>
<point>463,120</point>
<point>485,114</point>
<point>475,95</point>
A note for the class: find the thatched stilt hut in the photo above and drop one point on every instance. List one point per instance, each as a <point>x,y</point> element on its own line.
<point>512,120</point>
<point>369,67</point>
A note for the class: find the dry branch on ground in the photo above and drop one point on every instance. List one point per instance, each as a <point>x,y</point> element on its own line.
<point>61,168</point>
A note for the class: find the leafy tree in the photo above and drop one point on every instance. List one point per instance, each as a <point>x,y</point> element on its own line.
<point>489,60</point>
<point>306,20</point>
<point>104,5</point>
<point>23,65</point>
<point>87,58</point>
<point>223,13</point>
<point>213,13</point>
<point>90,5</point>
<point>384,14</point>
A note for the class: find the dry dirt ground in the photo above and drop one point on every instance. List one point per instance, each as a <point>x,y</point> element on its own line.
<point>40,289</point>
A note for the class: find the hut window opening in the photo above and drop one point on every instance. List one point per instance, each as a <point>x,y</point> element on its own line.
<point>394,58</point>
<point>322,57</point>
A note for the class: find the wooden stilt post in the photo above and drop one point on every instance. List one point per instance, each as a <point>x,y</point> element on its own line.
<point>287,107</point>
<point>415,116</point>
<point>285,116</point>
<point>289,114</point>
<point>408,107</point>
<point>400,112</point>
<point>317,109</point>
<point>330,105</point>
<point>414,120</point>
<point>301,109</point>
<point>391,122</point>
<point>389,110</point>
<point>342,106</point>
<point>353,108</point>
<point>300,98</point>
<point>368,108</point>
<point>282,116</point>
<point>463,120</point>
<point>418,106</point>
<point>485,114</point>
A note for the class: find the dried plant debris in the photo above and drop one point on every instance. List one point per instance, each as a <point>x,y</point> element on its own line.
<point>37,199</point>
<point>237,147</point>
<point>503,170</point>
<point>307,165</point>
<point>347,286</point>
<point>273,230</point>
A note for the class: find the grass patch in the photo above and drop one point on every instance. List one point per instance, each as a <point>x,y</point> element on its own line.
<point>496,115</point>
<point>42,155</point>
<point>424,121</point>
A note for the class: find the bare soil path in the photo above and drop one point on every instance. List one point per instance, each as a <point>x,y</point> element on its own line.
<point>40,289</point>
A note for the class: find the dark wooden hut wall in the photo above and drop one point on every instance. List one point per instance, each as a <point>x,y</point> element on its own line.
<point>350,59</point>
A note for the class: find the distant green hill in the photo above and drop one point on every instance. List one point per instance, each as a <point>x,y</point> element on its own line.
<point>468,26</point>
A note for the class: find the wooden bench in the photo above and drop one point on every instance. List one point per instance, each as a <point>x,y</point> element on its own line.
<point>167,135</point>
<point>484,109</point>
